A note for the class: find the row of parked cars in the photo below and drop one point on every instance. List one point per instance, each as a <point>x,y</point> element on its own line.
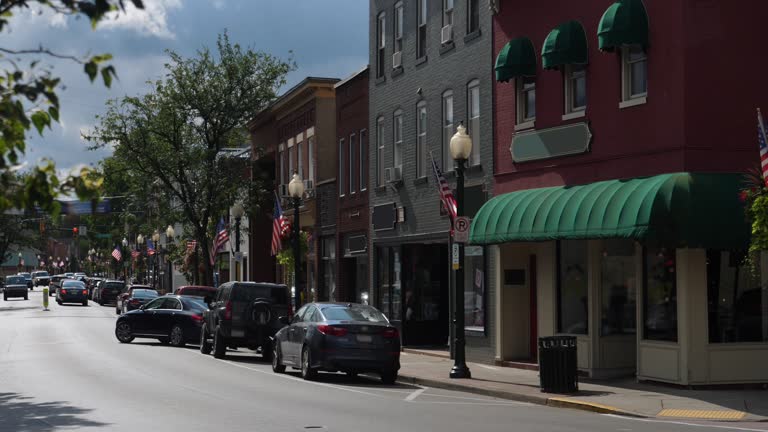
<point>335,337</point>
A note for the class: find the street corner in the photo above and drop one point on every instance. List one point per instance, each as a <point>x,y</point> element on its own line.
<point>562,402</point>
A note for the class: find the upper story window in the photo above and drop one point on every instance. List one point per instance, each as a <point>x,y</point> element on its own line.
<point>362,163</point>
<point>634,61</point>
<point>283,172</point>
<point>352,164</point>
<point>342,168</point>
<point>473,114</point>
<point>447,129</point>
<point>421,33</point>
<point>311,158</point>
<point>300,158</point>
<point>381,42</point>
<point>446,35</point>
<point>421,139</point>
<point>291,163</point>
<point>526,99</point>
<point>397,133</point>
<point>473,16</point>
<point>380,151</point>
<point>575,88</point>
<point>398,33</point>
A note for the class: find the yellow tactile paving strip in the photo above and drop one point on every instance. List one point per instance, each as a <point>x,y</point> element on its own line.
<point>702,414</point>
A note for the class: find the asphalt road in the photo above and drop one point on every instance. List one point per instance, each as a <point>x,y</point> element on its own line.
<point>64,370</point>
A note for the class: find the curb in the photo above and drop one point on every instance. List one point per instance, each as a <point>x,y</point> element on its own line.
<point>556,402</point>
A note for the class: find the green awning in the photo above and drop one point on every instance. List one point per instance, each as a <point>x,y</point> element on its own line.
<point>566,44</point>
<point>680,209</point>
<point>516,59</point>
<point>624,23</point>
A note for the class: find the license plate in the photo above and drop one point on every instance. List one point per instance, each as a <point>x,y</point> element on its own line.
<point>238,333</point>
<point>364,338</point>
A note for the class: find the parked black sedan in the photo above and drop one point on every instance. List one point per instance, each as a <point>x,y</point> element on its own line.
<point>170,319</point>
<point>15,286</point>
<point>332,337</point>
<point>72,291</point>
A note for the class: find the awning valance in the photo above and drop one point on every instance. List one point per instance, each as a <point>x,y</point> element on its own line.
<point>680,209</point>
<point>516,59</point>
<point>566,44</point>
<point>624,23</point>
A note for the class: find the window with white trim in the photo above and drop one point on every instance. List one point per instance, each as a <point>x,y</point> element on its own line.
<point>342,168</point>
<point>283,172</point>
<point>421,31</point>
<point>634,65</point>
<point>380,151</point>
<point>362,163</point>
<point>397,135</point>
<point>381,43</point>
<point>575,88</point>
<point>311,158</point>
<point>352,165</point>
<point>398,33</point>
<point>473,16</point>
<point>447,130</point>
<point>447,12</point>
<point>473,123</point>
<point>421,139</point>
<point>526,99</point>
<point>291,162</point>
<point>300,154</point>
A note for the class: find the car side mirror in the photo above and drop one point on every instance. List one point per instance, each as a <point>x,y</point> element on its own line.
<point>142,307</point>
<point>283,320</point>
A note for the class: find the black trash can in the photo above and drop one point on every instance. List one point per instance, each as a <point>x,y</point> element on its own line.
<point>557,364</point>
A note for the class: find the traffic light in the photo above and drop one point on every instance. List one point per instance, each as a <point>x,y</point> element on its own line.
<point>74,232</point>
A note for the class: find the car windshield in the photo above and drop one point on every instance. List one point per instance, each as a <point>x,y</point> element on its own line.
<point>40,273</point>
<point>249,293</point>
<point>353,313</point>
<point>113,286</point>
<point>73,284</point>
<point>144,293</point>
<point>199,292</point>
<point>13,280</point>
<point>26,275</point>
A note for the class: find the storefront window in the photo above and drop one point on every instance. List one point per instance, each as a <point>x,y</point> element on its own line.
<point>329,267</point>
<point>474,289</point>
<point>383,295</point>
<point>572,299</point>
<point>660,295</point>
<point>737,302</point>
<point>618,288</point>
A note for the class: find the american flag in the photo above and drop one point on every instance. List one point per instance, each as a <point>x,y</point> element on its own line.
<point>150,247</point>
<point>280,227</point>
<point>191,246</point>
<point>446,194</point>
<point>222,237</point>
<point>115,254</point>
<point>135,254</point>
<point>763,140</point>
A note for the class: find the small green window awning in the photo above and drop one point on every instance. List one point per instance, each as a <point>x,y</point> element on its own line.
<point>566,44</point>
<point>679,209</point>
<point>516,59</point>
<point>623,23</point>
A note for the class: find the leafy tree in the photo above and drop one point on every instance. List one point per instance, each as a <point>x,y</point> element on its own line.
<point>28,98</point>
<point>180,132</point>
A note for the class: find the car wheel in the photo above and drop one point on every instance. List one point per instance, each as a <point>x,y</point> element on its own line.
<point>352,374</point>
<point>177,336</point>
<point>5,297</point>
<point>307,372</point>
<point>123,332</point>
<point>58,301</point>
<point>267,353</point>
<point>164,340</point>
<point>277,362</point>
<point>205,346</point>
<point>85,303</point>
<point>219,345</point>
<point>388,377</point>
<point>26,296</point>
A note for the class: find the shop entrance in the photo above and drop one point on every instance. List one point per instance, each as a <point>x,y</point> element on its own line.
<point>426,287</point>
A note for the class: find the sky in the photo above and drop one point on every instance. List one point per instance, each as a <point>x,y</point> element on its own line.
<point>327,38</point>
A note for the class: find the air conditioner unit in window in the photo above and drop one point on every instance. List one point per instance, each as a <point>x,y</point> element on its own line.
<point>446,34</point>
<point>394,174</point>
<point>397,60</point>
<point>309,189</point>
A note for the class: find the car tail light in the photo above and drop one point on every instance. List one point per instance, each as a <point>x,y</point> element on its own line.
<point>228,311</point>
<point>331,330</point>
<point>197,318</point>
<point>85,292</point>
<point>134,302</point>
<point>63,291</point>
<point>390,333</point>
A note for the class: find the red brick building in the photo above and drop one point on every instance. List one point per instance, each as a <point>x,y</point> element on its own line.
<point>622,132</point>
<point>352,180</point>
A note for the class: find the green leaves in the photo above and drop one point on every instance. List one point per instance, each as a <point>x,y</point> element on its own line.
<point>41,119</point>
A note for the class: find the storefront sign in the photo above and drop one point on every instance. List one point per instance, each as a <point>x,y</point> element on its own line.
<point>356,244</point>
<point>553,142</point>
<point>384,217</point>
<point>473,251</point>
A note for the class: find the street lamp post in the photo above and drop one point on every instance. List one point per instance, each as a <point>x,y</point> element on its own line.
<point>156,260</point>
<point>20,266</point>
<point>237,212</point>
<point>296,191</point>
<point>140,239</point>
<point>169,234</point>
<point>125,267</point>
<point>461,148</point>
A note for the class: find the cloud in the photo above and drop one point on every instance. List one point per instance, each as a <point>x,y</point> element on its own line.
<point>152,21</point>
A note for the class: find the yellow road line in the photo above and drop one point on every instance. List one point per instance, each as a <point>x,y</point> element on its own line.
<point>703,414</point>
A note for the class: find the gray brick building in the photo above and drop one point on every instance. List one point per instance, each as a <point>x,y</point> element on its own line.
<point>431,68</point>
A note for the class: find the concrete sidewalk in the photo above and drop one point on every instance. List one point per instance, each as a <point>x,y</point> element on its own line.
<point>624,397</point>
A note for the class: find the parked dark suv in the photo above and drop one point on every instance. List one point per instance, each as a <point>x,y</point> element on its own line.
<point>109,291</point>
<point>244,314</point>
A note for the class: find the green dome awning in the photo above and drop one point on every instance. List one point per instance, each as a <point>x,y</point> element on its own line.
<point>516,59</point>
<point>566,44</point>
<point>624,23</point>
<point>680,209</point>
